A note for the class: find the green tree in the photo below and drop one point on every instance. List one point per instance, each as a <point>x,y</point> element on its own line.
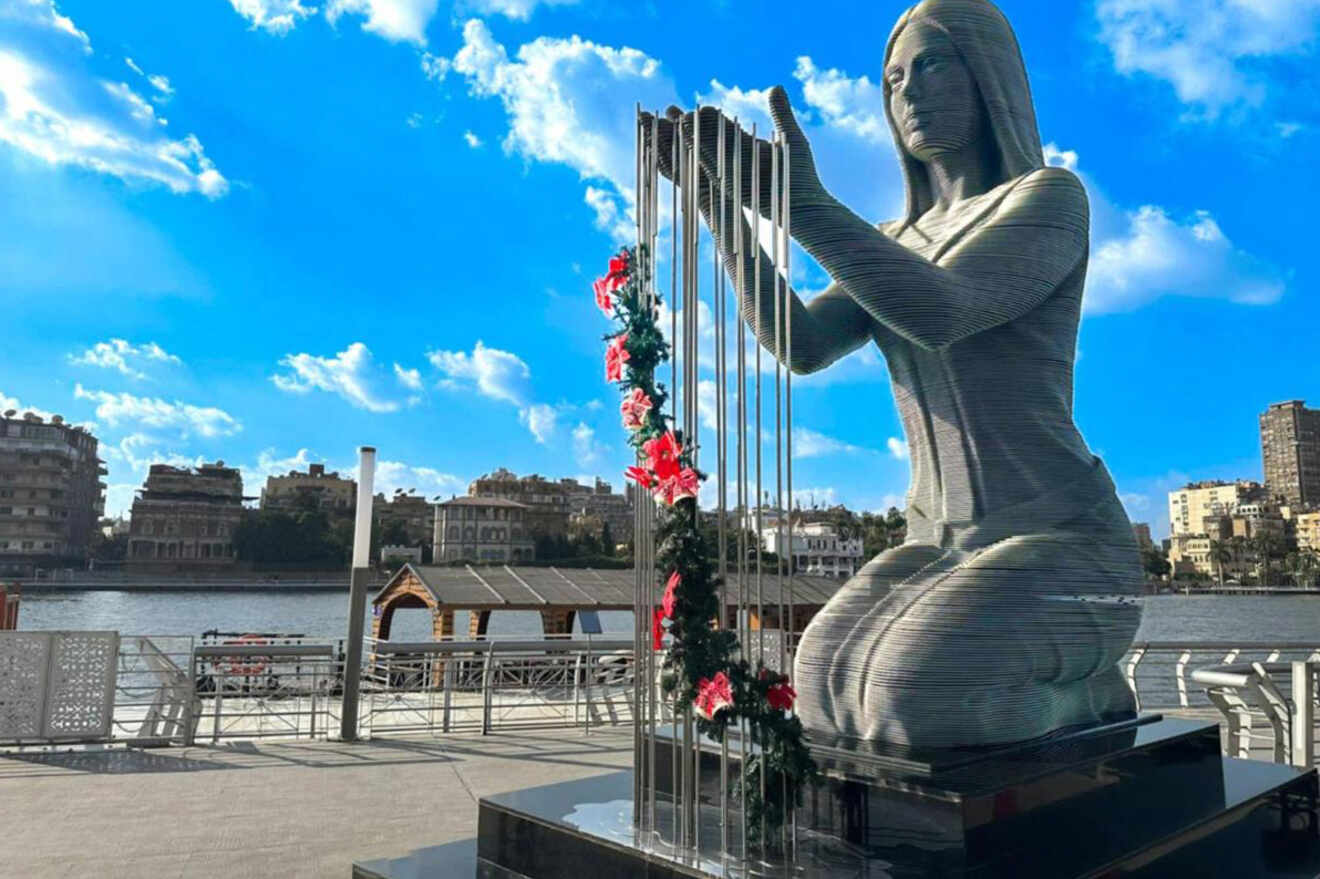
<point>1155,562</point>
<point>1221,551</point>
<point>896,526</point>
<point>606,540</point>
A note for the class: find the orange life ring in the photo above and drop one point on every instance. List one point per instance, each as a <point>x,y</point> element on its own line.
<point>244,666</point>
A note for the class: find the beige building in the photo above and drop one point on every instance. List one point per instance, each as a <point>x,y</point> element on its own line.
<point>1194,554</point>
<point>51,493</point>
<point>551,503</point>
<point>328,491</point>
<point>482,529</point>
<point>1290,452</point>
<point>1191,505</point>
<point>415,512</point>
<point>817,548</point>
<point>1308,530</point>
<point>186,517</point>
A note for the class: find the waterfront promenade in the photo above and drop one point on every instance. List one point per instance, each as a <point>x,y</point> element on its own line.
<point>291,809</point>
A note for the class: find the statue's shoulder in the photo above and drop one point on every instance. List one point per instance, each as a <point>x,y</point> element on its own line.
<point>891,228</point>
<point>1050,187</point>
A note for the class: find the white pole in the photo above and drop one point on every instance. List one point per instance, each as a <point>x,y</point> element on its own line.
<point>362,526</point>
<point>357,594</point>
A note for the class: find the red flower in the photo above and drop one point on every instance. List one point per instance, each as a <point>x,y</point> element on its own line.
<point>663,453</point>
<point>781,695</point>
<point>616,355</point>
<point>603,301</point>
<point>672,490</point>
<point>714,695</point>
<point>641,476</point>
<point>657,629</point>
<point>667,602</point>
<point>634,408</point>
<point>619,266</point>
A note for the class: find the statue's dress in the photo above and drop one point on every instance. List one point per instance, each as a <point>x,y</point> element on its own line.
<point>1003,615</point>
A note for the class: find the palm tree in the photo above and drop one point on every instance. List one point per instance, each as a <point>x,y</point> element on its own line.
<point>1220,551</point>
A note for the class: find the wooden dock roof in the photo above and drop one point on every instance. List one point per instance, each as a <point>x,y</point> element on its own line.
<point>500,587</point>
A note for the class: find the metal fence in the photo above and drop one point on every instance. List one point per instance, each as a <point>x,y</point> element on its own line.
<point>451,686</point>
<point>1159,672</point>
<point>258,690</point>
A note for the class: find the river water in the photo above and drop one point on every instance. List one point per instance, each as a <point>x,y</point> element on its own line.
<point>324,615</point>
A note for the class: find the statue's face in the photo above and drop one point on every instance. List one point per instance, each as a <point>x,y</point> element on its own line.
<point>933,98</point>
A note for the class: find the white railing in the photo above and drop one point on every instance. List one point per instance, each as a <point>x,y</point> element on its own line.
<point>1283,694</point>
<point>1158,671</point>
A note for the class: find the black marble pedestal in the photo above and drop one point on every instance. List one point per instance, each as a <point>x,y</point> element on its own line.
<point>1151,798</point>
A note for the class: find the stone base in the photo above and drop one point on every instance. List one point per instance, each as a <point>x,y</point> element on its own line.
<point>1152,798</point>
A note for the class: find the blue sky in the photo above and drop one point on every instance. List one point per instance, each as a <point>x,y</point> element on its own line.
<point>272,230</point>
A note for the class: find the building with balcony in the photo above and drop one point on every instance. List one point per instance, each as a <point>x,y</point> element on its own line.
<point>415,513</point>
<point>1290,452</point>
<point>1308,530</point>
<point>51,492</point>
<point>817,548</point>
<point>482,529</point>
<point>1191,505</point>
<point>316,488</point>
<point>185,517</point>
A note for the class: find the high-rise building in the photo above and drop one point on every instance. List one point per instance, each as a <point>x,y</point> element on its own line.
<point>1308,531</point>
<point>1290,452</point>
<point>1191,505</point>
<point>186,517</point>
<point>326,491</point>
<point>1141,531</point>
<point>51,493</point>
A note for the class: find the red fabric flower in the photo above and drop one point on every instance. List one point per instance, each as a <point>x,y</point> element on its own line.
<point>619,266</point>
<point>663,452</point>
<point>616,355</point>
<point>641,476</point>
<point>634,408</point>
<point>781,695</point>
<point>714,695</point>
<point>603,301</point>
<point>672,490</point>
<point>657,629</point>
<point>667,602</point>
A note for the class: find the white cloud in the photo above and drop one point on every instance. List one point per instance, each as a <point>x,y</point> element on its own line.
<point>414,120</point>
<point>567,100</point>
<point>898,448</point>
<point>1159,255</point>
<point>157,81</point>
<point>808,443</point>
<point>541,419</point>
<point>500,375</point>
<point>585,451</point>
<point>351,374</point>
<point>472,140</point>
<point>56,110</point>
<point>44,15</point>
<point>1060,158</point>
<point>1288,129</point>
<point>395,20</point>
<point>120,355</point>
<point>436,67</point>
<point>611,214</point>
<point>518,10</point>
<point>207,421</point>
<point>426,481</point>
<point>409,378</point>
<point>8,403</point>
<point>855,105</point>
<point>273,16</point>
<point>1208,50</point>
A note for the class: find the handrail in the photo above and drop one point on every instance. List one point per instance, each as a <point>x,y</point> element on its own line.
<point>265,650</point>
<point>446,647</point>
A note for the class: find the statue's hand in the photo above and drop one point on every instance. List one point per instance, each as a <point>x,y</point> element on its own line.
<point>805,187</point>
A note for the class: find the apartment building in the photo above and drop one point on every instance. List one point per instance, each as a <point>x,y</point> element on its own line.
<point>185,517</point>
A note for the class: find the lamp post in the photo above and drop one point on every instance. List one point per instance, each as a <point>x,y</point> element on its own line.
<point>357,594</point>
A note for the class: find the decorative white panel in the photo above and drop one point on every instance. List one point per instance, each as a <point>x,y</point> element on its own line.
<point>57,685</point>
<point>81,697</point>
<point>24,657</point>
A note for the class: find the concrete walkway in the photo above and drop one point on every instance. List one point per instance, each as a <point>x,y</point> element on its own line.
<point>269,809</point>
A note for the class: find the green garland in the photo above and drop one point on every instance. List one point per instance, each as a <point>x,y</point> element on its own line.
<point>699,666</point>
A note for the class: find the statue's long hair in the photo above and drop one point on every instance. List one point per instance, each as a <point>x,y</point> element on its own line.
<point>984,39</point>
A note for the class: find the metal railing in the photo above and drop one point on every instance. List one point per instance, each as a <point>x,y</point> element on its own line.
<point>1247,692</point>
<point>450,686</point>
<point>154,697</point>
<point>1158,671</point>
<point>258,690</point>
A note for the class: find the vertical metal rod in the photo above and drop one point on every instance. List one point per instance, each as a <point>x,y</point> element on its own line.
<point>788,457</point>
<point>755,247</point>
<point>741,463</point>
<point>775,261</point>
<point>357,596</point>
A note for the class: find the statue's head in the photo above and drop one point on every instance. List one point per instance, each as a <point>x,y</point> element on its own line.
<point>954,79</point>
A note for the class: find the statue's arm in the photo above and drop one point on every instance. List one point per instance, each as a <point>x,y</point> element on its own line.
<point>1003,270</point>
<point>823,330</point>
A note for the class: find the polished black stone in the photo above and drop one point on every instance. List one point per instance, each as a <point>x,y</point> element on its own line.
<point>1148,799</point>
<point>449,861</point>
